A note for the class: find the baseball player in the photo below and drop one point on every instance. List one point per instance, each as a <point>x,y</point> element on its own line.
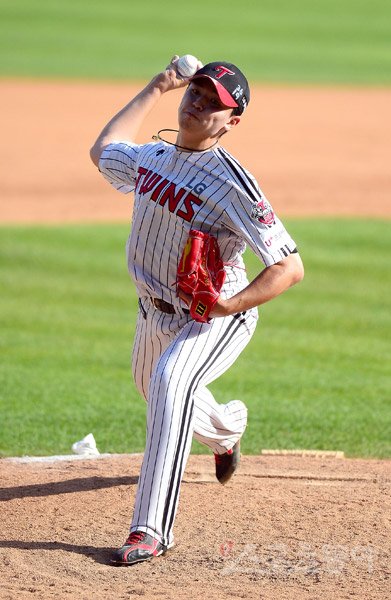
<point>189,183</point>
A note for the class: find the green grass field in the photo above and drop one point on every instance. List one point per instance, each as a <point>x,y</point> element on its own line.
<point>338,41</point>
<point>316,374</point>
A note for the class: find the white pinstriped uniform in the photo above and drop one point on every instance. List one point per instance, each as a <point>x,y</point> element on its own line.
<point>174,357</point>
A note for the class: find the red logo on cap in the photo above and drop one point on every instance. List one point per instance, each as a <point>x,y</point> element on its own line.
<point>223,71</point>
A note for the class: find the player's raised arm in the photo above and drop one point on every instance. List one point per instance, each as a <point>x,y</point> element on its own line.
<point>127,122</point>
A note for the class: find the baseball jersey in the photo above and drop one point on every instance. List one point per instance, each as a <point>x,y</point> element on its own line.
<point>175,191</point>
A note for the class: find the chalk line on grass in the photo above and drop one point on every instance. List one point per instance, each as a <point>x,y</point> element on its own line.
<point>65,457</point>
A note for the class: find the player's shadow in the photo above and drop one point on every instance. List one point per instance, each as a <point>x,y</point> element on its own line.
<point>100,555</point>
<point>69,486</point>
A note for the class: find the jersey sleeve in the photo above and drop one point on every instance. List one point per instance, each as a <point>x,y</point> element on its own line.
<point>250,216</point>
<point>118,165</point>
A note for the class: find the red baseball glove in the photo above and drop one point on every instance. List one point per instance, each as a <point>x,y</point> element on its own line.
<point>201,273</point>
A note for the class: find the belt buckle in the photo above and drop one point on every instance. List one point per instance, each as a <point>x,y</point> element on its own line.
<point>163,306</point>
<point>167,308</point>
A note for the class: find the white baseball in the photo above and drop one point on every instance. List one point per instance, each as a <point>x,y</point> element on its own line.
<point>187,65</point>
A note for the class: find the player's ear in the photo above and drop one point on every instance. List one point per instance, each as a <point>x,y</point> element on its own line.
<point>235,120</point>
<point>232,122</point>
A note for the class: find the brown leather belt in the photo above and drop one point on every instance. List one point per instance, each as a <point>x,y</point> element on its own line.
<point>167,308</point>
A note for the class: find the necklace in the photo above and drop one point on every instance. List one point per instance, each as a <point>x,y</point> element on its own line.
<point>158,137</point>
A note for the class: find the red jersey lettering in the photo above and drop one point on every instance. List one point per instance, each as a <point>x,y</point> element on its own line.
<point>188,213</point>
<point>141,171</point>
<point>156,192</point>
<point>149,182</point>
<point>172,197</point>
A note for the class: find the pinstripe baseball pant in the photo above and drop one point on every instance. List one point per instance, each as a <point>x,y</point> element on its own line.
<point>174,359</point>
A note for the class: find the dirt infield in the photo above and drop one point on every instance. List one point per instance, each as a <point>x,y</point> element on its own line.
<point>283,528</point>
<point>314,151</point>
<point>296,528</point>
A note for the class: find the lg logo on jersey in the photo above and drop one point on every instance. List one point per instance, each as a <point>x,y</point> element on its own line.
<point>198,188</point>
<point>167,194</point>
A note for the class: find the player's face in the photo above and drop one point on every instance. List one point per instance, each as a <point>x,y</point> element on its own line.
<point>201,112</point>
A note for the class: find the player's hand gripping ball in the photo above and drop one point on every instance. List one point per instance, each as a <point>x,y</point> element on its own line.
<point>187,65</point>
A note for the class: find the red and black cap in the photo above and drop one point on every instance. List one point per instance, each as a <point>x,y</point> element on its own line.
<point>230,83</point>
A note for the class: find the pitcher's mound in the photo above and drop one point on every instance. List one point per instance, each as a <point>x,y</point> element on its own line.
<point>289,527</point>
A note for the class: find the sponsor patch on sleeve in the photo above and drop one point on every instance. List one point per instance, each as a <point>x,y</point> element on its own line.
<point>263,212</point>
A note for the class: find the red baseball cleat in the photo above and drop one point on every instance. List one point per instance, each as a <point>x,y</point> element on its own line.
<point>138,547</point>
<point>227,463</point>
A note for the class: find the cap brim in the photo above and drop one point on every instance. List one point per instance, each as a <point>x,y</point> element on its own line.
<point>224,96</point>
